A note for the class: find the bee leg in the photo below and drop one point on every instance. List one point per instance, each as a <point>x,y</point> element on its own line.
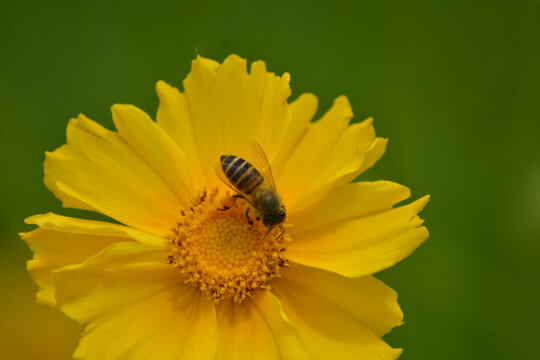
<point>282,232</point>
<point>268,232</point>
<point>250,222</point>
<point>228,202</point>
<point>238,196</point>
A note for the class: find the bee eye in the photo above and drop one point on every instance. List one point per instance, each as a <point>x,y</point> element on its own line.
<point>282,214</point>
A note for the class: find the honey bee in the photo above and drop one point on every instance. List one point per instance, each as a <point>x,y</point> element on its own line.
<point>255,184</point>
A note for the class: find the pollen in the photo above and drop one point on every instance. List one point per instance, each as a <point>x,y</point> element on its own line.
<point>218,251</point>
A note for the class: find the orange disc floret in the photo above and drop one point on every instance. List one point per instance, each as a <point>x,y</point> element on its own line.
<point>221,253</point>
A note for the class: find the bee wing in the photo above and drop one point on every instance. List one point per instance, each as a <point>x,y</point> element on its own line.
<point>222,177</point>
<point>260,161</point>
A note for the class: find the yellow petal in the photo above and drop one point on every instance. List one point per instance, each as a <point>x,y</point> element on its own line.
<point>364,245</point>
<point>158,316</point>
<point>320,138</point>
<point>257,329</point>
<point>329,154</point>
<point>71,225</point>
<point>302,111</point>
<point>275,115</point>
<point>157,149</point>
<point>372,154</point>
<point>99,170</point>
<point>174,117</point>
<point>346,202</point>
<point>309,195</point>
<point>349,147</point>
<point>333,326</point>
<point>216,100</point>
<point>62,241</point>
<point>366,299</point>
<point>230,108</point>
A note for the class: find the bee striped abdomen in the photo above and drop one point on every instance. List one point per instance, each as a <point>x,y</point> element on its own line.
<point>241,173</point>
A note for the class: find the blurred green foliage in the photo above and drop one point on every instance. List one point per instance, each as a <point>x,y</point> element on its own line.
<point>454,85</point>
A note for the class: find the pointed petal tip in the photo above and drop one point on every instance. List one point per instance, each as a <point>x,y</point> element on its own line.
<point>201,61</point>
<point>258,66</point>
<point>234,58</point>
<point>369,120</point>
<point>286,77</point>
<point>162,86</point>
<point>422,202</point>
<point>77,120</point>
<point>35,219</point>
<point>308,97</point>
<point>116,109</point>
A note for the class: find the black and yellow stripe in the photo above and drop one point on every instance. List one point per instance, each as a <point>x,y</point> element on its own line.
<point>241,173</point>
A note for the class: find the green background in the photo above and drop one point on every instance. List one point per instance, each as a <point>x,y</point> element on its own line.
<point>455,85</point>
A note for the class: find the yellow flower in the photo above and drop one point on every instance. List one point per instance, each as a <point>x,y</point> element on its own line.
<point>180,279</point>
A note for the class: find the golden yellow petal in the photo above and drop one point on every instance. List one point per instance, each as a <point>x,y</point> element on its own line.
<point>157,149</point>
<point>366,299</point>
<point>355,143</point>
<point>302,111</point>
<point>346,202</point>
<point>62,241</point>
<point>66,224</point>
<point>306,157</point>
<point>364,245</point>
<point>338,318</point>
<point>373,154</point>
<point>275,114</point>
<point>174,117</point>
<point>257,329</point>
<point>159,316</point>
<point>216,100</point>
<point>330,153</point>
<point>229,108</point>
<point>312,194</point>
<point>99,170</point>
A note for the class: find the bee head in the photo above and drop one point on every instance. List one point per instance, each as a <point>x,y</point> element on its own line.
<point>271,209</point>
<point>276,218</point>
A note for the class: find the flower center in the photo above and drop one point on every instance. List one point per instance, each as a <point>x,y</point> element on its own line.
<point>218,251</point>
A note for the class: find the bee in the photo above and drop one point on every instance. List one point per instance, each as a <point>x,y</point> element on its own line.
<point>255,185</point>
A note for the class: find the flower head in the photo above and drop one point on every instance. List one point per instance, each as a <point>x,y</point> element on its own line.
<point>189,273</point>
